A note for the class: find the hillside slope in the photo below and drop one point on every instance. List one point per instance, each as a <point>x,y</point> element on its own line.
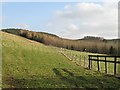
<point>88,44</point>
<point>29,64</point>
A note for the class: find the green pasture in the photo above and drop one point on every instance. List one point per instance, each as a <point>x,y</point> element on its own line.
<point>82,59</point>
<point>29,64</point>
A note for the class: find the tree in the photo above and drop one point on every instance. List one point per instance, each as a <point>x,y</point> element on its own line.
<point>111,50</point>
<point>72,48</point>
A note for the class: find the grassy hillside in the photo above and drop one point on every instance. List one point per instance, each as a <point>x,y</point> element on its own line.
<point>29,64</point>
<point>89,44</point>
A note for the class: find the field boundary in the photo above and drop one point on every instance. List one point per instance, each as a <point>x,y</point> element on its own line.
<point>94,62</point>
<point>105,61</point>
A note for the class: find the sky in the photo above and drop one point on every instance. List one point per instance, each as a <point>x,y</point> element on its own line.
<point>72,20</point>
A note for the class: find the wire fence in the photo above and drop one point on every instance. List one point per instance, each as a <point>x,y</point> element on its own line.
<point>102,64</point>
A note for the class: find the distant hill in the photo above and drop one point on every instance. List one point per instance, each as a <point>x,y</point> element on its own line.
<point>88,43</point>
<point>93,38</point>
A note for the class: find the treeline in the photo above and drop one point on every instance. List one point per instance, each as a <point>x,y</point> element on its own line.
<point>93,37</point>
<point>102,46</point>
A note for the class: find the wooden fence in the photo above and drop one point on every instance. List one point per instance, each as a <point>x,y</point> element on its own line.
<point>98,59</point>
<point>102,63</point>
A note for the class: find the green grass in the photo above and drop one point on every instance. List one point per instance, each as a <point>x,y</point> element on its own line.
<point>81,58</point>
<point>29,64</point>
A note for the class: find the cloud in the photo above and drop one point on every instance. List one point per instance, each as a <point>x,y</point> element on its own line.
<point>99,19</point>
<point>67,7</point>
<point>23,26</point>
<point>73,27</point>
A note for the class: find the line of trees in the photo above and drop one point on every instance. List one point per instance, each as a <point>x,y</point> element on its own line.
<point>88,45</point>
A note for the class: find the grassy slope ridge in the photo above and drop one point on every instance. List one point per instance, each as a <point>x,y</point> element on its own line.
<point>29,64</point>
<point>93,44</point>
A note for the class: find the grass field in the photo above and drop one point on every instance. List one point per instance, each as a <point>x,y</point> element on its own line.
<point>29,64</point>
<point>81,58</point>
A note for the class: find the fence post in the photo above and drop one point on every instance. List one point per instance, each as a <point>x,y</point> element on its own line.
<point>70,56</point>
<point>80,60</point>
<point>66,53</point>
<point>89,61</point>
<point>115,65</point>
<point>105,65</point>
<point>84,61</point>
<point>76,57</point>
<point>98,63</point>
<point>73,57</point>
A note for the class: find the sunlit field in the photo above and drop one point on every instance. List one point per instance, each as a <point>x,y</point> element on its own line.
<point>29,64</point>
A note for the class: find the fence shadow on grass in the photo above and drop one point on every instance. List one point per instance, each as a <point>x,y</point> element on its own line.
<point>86,82</point>
<point>69,80</point>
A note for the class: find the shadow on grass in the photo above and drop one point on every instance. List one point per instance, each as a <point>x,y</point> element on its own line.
<point>90,81</point>
<point>66,80</point>
<point>70,73</point>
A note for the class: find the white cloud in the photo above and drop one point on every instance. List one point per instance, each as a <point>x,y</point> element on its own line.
<point>23,26</point>
<point>67,7</point>
<point>49,25</point>
<point>73,27</point>
<point>99,19</point>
